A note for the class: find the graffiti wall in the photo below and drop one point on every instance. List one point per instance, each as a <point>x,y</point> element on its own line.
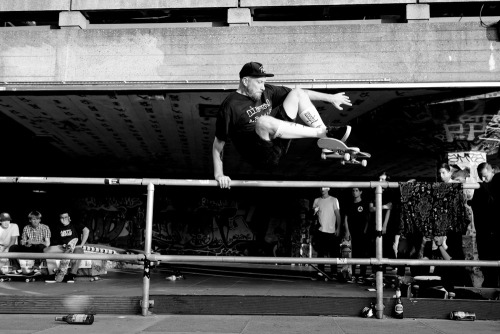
<point>199,224</point>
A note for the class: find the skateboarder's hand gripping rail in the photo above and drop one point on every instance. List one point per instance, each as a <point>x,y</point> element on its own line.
<point>260,119</point>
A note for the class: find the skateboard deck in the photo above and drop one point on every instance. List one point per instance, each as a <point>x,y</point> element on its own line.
<point>64,264</point>
<point>32,277</point>
<point>325,276</point>
<point>339,150</point>
<point>346,253</point>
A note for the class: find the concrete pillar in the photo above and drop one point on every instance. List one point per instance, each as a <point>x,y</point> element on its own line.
<point>72,19</point>
<point>239,16</point>
<point>418,12</point>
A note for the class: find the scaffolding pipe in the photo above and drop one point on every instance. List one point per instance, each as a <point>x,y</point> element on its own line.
<point>208,183</point>
<point>72,256</point>
<point>147,250</point>
<point>253,259</point>
<point>331,261</point>
<point>379,307</point>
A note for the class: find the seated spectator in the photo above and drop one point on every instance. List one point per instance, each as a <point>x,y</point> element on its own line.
<point>63,234</point>
<point>447,247</point>
<point>8,233</point>
<point>34,239</point>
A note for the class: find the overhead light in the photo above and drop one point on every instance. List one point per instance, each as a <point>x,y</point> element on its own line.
<point>39,191</point>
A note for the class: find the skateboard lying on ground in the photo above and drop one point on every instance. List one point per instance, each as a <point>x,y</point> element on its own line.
<point>31,277</point>
<point>325,276</point>
<point>339,150</point>
<point>64,264</point>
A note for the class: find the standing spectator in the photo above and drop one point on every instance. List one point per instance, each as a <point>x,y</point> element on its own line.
<point>390,222</point>
<point>327,244</point>
<point>356,226</point>
<point>445,172</point>
<point>486,220</point>
<point>35,238</point>
<point>63,234</point>
<point>8,232</point>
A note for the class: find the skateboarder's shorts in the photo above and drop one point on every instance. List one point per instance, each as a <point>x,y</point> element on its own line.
<point>263,153</point>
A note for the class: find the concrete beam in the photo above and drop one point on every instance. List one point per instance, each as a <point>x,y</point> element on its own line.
<point>418,12</point>
<point>402,53</point>
<point>149,4</point>
<point>288,3</point>
<point>34,5</point>
<point>72,20</point>
<point>239,16</point>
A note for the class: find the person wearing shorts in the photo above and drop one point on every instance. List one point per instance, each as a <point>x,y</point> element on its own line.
<point>260,120</point>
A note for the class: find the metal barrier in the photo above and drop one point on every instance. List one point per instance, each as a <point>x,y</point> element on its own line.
<point>147,257</point>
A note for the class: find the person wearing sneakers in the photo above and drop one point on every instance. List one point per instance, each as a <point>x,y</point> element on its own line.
<point>327,209</point>
<point>356,222</point>
<point>8,235</point>
<point>260,119</point>
<point>34,239</point>
<point>63,234</point>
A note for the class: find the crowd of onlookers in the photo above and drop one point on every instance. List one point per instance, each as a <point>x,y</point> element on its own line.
<point>39,238</point>
<point>355,221</point>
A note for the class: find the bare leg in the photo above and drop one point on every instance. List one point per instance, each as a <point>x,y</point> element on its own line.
<point>268,128</point>
<point>297,103</point>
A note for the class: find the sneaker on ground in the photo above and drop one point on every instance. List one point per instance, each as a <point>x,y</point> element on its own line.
<point>338,132</point>
<point>69,277</point>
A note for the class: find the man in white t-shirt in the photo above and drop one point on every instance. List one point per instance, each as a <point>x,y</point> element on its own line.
<point>327,209</point>
<point>8,236</point>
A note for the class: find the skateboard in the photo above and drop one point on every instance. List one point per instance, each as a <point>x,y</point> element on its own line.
<point>31,277</point>
<point>349,155</point>
<point>64,264</point>
<point>346,253</point>
<point>325,276</point>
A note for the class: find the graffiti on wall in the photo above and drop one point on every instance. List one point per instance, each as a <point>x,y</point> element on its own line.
<point>200,225</point>
<point>118,221</point>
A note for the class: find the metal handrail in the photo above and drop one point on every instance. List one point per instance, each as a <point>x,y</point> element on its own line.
<point>148,257</point>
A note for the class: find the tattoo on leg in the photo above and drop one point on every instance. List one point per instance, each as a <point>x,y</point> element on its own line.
<point>309,118</point>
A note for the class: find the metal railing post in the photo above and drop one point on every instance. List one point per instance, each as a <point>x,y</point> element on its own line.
<point>379,307</point>
<point>147,250</point>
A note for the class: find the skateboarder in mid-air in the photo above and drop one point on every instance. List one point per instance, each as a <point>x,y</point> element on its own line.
<point>260,119</point>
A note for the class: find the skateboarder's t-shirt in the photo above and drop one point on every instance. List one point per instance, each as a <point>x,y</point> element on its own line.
<point>238,114</point>
<point>63,234</point>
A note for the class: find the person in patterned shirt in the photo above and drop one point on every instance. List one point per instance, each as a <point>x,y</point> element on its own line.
<point>35,238</point>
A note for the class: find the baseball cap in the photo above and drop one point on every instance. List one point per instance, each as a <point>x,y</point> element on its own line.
<point>4,216</point>
<point>254,69</point>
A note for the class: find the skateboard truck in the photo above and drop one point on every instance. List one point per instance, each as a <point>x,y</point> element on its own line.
<point>335,149</point>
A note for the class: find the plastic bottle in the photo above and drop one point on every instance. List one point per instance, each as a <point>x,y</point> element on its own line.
<point>398,308</point>
<point>77,319</point>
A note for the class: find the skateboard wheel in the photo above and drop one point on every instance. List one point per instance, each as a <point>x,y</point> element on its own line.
<point>347,156</point>
<point>364,163</point>
<point>323,156</point>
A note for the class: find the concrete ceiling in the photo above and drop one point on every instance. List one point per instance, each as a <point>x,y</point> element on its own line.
<point>169,134</point>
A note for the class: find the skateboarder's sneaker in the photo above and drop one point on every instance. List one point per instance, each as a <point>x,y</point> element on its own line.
<point>69,277</point>
<point>338,132</point>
